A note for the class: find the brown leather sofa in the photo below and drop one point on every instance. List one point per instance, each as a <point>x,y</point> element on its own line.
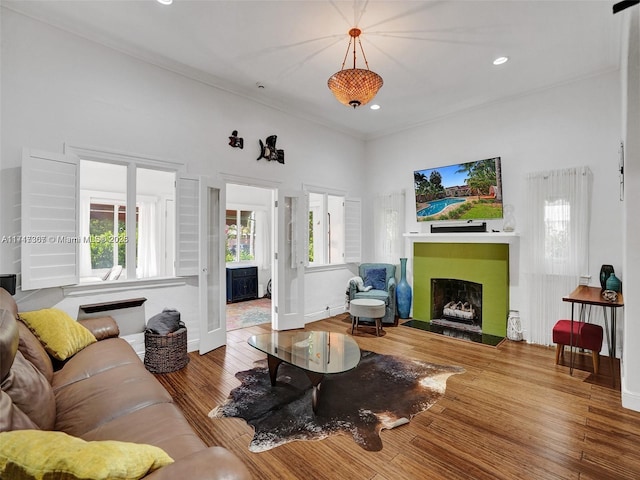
<point>103,392</point>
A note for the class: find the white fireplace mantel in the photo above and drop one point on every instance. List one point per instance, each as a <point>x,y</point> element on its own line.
<point>479,237</point>
<point>428,246</point>
<point>512,239</point>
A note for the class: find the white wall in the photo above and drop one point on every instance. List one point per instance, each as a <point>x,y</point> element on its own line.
<point>569,125</point>
<point>58,88</point>
<point>573,124</point>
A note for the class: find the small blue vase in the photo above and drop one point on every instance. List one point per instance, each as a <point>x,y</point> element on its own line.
<point>613,283</point>
<point>403,292</point>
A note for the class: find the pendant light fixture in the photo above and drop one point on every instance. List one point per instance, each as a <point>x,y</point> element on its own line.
<point>354,87</point>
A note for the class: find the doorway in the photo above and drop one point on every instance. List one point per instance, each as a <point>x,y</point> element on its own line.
<point>249,255</point>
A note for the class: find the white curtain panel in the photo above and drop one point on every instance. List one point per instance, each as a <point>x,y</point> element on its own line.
<point>147,251</point>
<point>555,246</point>
<point>388,218</point>
<point>84,227</point>
<point>263,241</point>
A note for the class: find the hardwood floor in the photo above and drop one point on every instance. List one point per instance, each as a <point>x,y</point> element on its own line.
<point>513,414</point>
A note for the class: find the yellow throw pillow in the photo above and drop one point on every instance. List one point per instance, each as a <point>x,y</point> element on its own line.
<point>60,335</point>
<point>39,454</point>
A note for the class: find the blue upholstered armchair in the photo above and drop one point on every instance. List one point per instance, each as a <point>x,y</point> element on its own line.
<point>382,278</point>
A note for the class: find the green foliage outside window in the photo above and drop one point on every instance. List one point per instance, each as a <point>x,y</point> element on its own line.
<point>240,247</point>
<point>103,242</point>
<point>310,236</point>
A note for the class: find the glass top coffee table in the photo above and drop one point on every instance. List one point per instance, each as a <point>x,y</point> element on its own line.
<point>317,353</point>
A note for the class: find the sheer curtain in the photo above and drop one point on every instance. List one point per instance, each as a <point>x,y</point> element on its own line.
<point>388,222</point>
<point>263,241</point>
<point>147,251</point>
<point>85,245</point>
<point>555,245</point>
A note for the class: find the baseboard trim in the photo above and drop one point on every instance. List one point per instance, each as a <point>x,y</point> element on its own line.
<point>630,400</point>
<point>321,315</point>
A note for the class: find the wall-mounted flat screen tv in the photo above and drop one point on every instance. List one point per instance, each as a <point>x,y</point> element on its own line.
<point>465,191</point>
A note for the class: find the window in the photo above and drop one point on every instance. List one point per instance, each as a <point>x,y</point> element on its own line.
<point>556,243</point>
<point>388,223</point>
<point>240,234</point>
<point>109,230</point>
<point>557,221</point>
<point>97,215</point>
<point>326,229</point>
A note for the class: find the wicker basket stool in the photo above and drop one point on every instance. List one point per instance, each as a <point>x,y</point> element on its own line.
<point>165,353</point>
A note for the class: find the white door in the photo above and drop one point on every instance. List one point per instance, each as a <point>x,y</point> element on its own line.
<point>213,333</point>
<point>288,287</point>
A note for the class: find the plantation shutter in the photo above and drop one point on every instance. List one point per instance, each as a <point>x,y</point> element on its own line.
<point>49,220</point>
<point>353,230</point>
<point>187,224</point>
<point>307,230</point>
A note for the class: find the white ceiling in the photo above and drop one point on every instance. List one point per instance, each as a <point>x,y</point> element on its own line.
<point>435,56</point>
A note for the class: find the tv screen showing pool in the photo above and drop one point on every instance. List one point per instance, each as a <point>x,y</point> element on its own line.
<point>464,191</point>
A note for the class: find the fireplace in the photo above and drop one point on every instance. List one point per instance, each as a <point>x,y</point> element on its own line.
<point>476,274</point>
<point>456,304</point>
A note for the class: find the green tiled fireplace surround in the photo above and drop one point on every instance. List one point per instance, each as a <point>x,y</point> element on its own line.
<point>485,263</point>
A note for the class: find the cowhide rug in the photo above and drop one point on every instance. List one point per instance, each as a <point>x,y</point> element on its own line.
<point>383,391</point>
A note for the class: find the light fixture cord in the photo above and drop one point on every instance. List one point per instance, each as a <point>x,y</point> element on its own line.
<point>364,57</point>
<point>347,53</point>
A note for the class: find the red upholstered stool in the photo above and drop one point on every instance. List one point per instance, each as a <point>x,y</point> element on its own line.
<point>585,335</point>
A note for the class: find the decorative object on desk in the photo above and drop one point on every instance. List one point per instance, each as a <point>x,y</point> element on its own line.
<point>613,283</point>
<point>605,272</point>
<point>463,228</point>
<point>509,223</point>
<point>403,291</point>
<point>235,141</point>
<point>610,296</point>
<point>268,150</point>
<point>514,326</point>
<point>350,404</point>
<point>584,280</point>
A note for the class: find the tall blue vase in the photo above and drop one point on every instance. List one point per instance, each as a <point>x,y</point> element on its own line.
<point>403,291</point>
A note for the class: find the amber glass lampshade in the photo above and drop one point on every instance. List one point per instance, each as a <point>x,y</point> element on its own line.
<point>355,86</point>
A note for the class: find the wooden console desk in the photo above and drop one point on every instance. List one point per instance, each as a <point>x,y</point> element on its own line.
<point>587,296</point>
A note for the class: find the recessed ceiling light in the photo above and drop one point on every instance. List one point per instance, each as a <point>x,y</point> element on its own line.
<point>500,60</point>
<point>375,106</point>
<point>165,2</point>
